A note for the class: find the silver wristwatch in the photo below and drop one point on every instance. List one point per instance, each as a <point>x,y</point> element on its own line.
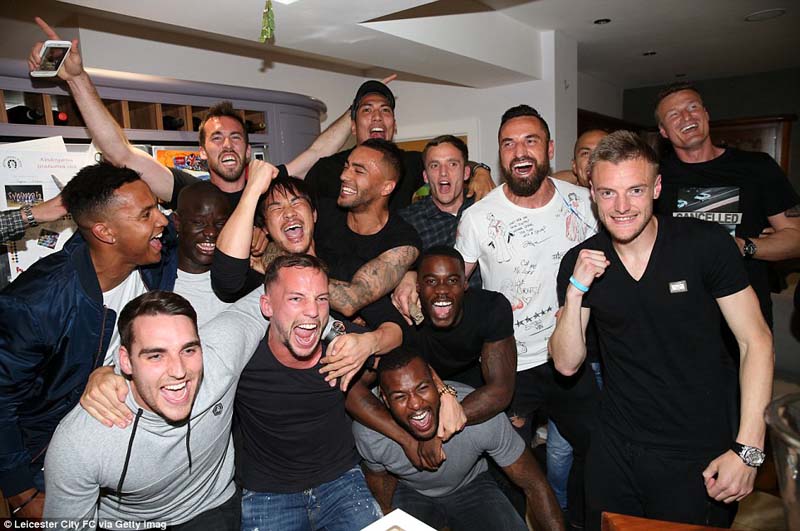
<point>751,455</point>
<point>333,329</point>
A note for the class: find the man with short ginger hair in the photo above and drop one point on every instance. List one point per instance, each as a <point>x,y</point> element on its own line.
<point>658,289</point>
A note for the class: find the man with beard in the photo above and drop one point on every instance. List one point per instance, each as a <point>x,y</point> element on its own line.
<point>295,454</point>
<point>658,288</point>
<point>460,495</point>
<point>174,464</point>
<point>519,233</point>
<point>223,139</point>
<point>372,115</point>
<point>467,336</point>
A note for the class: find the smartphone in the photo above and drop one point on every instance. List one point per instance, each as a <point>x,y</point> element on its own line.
<point>52,57</point>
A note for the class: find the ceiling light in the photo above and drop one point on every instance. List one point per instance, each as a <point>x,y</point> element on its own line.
<point>766,14</point>
<point>649,53</point>
<point>286,2</point>
<point>601,21</point>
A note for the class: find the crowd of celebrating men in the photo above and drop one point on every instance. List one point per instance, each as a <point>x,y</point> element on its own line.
<point>299,346</point>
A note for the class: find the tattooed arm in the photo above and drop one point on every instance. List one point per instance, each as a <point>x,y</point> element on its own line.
<point>372,281</point>
<point>784,243</point>
<point>499,368</point>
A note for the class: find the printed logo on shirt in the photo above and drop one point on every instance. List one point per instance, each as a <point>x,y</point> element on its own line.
<point>719,204</point>
<point>678,287</point>
<point>217,411</point>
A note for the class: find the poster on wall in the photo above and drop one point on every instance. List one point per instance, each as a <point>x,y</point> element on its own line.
<point>30,177</point>
<point>182,158</point>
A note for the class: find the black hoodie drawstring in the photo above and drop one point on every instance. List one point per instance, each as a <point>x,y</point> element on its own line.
<point>188,448</point>
<point>128,453</point>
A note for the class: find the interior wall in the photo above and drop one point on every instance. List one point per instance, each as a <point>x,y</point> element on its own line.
<point>599,96</point>
<point>423,109</point>
<point>768,93</point>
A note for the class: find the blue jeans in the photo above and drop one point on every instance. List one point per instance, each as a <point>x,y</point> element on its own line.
<point>559,452</point>
<point>344,504</point>
<point>477,506</point>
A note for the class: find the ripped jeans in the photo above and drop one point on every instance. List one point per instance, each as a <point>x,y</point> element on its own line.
<point>344,504</point>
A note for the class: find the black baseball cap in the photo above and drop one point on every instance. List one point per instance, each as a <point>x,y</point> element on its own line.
<point>371,87</point>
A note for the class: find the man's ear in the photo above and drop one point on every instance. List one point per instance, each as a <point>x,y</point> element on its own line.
<point>657,187</point>
<point>103,232</point>
<point>388,187</point>
<point>176,220</point>
<point>425,176</point>
<point>551,149</point>
<point>662,131</point>
<point>125,361</point>
<point>203,154</point>
<point>266,306</point>
<point>574,168</point>
<point>467,172</point>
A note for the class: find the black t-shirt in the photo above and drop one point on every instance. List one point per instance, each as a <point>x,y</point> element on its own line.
<point>668,380</point>
<point>345,251</point>
<point>233,278</point>
<point>182,179</point>
<point>487,318</point>
<point>290,428</point>
<point>324,178</point>
<point>739,190</point>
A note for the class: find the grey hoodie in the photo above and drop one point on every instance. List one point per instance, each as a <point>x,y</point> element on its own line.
<point>169,473</point>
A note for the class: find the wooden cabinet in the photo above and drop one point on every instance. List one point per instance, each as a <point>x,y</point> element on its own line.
<point>284,122</point>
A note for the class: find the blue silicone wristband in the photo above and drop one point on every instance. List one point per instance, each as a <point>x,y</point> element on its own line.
<point>577,284</point>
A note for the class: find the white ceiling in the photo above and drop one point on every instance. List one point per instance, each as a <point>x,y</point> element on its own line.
<point>496,42</point>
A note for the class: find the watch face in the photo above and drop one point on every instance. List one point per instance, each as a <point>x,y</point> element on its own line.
<point>753,456</point>
<point>749,249</point>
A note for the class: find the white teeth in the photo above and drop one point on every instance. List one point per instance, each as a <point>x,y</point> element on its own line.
<point>348,190</point>
<point>307,326</point>
<point>175,387</point>
<point>207,246</point>
<point>444,183</point>
<point>376,130</point>
<point>442,303</point>
<point>522,165</point>
<point>157,236</point>
<point>420,416</point>
<point>688,128</point>
<point>292,227</point>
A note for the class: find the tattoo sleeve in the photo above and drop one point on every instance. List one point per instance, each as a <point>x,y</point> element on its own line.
<point>372,281</point>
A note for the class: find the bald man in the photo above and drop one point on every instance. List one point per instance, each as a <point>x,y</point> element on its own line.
<point>580,158</point>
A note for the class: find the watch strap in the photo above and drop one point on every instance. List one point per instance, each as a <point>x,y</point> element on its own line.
<point>28,214</point>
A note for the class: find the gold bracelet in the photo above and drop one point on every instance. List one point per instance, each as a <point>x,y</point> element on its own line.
<point>448,389</point>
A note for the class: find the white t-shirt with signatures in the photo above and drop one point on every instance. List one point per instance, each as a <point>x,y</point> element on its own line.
<point>519,251</point>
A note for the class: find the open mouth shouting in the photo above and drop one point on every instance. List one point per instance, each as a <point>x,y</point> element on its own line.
<point>306,335</point>
<point>444,186</point>
<point>689,127</point>
<point>422,421</point>
<point>176,394</point>
<point>229,160</point>
<point>441,309</point>
<point>156,243</point>
<point>377,132</point>
<point>294,232</point>
<point>523,167</point>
